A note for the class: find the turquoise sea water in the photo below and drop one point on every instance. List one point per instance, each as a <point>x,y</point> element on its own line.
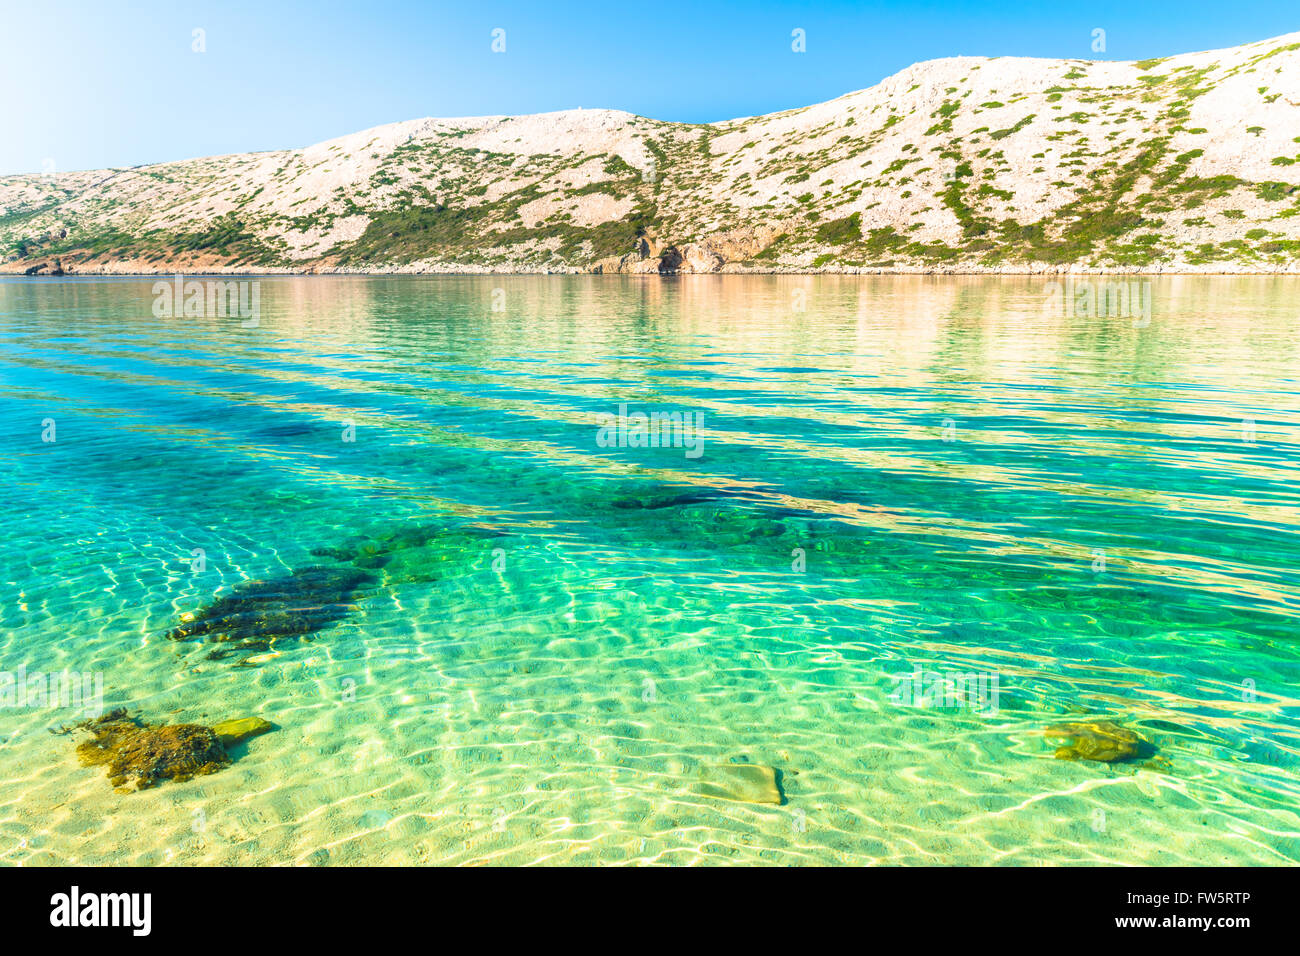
<point>550,642</point>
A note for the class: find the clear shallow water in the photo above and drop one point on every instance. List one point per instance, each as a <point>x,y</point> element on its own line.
<point>561,638</point>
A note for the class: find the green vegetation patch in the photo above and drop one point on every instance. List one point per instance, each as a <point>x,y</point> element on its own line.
<point>1004,133</point>
<point>840,231</point>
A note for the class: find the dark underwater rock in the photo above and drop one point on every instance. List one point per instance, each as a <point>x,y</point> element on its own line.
<point>1102,740</point>
<point>378,550</point>
<point>656,500</point>
<point>338,554</point>
<point>257,613</point>
<point>140,755</point>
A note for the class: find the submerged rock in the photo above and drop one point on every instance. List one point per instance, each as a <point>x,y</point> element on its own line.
<point>338,554</point>
<point>437,543</point>
<point>233,731</point>
<point>144,755</point>
<point>257,613</point>
<point>1101,740</point>
<point>655,500</point>
<point>743,782</point>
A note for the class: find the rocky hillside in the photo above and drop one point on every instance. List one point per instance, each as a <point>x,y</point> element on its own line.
<point>1190,163</point>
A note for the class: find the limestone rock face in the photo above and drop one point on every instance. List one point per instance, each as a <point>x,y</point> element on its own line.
<point>697,258</point>
<point>711,254</point>
<point>670,261</point>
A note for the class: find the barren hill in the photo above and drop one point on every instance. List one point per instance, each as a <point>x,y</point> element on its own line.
<point>1190,163</point>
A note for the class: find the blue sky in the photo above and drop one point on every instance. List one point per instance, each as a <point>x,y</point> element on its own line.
<point>95,83</point>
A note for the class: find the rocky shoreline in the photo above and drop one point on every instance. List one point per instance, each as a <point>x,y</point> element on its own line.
<point>21,270</point>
